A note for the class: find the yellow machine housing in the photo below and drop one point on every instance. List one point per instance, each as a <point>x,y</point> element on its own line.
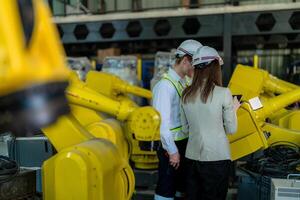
<point>33,73</point>
<point>86,106</point>
<point>85,167</point>
<point>271,125</point>
<point>34,77</point>
<point>102,97</point>
<point>142,127</point>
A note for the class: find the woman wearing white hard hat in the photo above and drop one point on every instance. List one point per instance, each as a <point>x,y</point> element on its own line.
<point>208,113</point>
<point>166,100</point>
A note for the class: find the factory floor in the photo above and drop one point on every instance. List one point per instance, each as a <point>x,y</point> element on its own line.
<point>146,183</point>
<point>149,194</point>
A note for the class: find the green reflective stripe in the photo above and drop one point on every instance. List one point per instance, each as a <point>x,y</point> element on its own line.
<point>176,133</point>
<point>178,91</point>
<point>178,86</point>
<point>181,138</point>
<point>176,129</point>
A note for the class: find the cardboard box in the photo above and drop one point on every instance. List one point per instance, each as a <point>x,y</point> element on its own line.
<point>103,53</point>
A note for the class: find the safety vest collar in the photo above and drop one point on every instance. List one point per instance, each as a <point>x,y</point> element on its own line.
<point>175,84</point>
<point>173,74</point>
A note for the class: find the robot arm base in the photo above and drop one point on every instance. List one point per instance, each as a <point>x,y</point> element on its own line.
<point>144,123</point>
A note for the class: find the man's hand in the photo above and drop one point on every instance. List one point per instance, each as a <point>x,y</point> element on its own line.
<point>174,160</point>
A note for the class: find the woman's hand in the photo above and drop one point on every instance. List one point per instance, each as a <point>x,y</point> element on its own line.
<point>236,103</point>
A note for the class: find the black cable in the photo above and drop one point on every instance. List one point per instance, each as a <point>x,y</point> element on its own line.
<point>286,143</point>
<point>9,169</point>
<point>279,160</point>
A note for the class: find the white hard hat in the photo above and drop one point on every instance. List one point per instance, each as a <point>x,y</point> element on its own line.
<point>187,47</point>
<point>204,56</point>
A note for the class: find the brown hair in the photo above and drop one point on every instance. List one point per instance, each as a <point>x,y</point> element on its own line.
<point>205,79</point>
<point>179,59</point>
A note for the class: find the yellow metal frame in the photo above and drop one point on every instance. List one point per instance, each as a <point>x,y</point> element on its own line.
<point>253,131</point>
<point>41,61</point>
<point>85,167</point>
<point>140,123</point>
<point>249,136</point>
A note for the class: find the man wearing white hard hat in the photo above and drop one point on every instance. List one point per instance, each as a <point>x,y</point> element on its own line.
<point>208,113</point>
<point>166,99</point>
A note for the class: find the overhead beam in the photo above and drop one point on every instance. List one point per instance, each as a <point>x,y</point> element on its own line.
<point>181,12</point>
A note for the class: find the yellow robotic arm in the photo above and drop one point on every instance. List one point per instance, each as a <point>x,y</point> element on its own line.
<point>141,127</point>
<point>85,167</point>
<point>143,121</point>
<point>106,94</point>
<point>114,86</point>
<point>258,82</point>
<point>33,73</point>
<point>256,128</point>
<point>34,78</point>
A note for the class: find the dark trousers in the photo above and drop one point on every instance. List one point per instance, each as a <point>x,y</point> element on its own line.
<point>207,180</point>
<point>171,180</point>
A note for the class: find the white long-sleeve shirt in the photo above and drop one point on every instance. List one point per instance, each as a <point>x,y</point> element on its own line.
<point>167,102</point>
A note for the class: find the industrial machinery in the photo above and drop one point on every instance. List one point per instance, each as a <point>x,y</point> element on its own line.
<point>34,77</point>
<point>285,189</point>
<point>81,65</point>
<point>267,86</point>
<point>95,168</point>
<point>141,127</point>
<point>87,166</point>
<point>33,71</point>
<point>270,123</point>
<point>127,68</point>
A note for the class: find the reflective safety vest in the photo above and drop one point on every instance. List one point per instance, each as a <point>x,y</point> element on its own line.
<point>177,131</point>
